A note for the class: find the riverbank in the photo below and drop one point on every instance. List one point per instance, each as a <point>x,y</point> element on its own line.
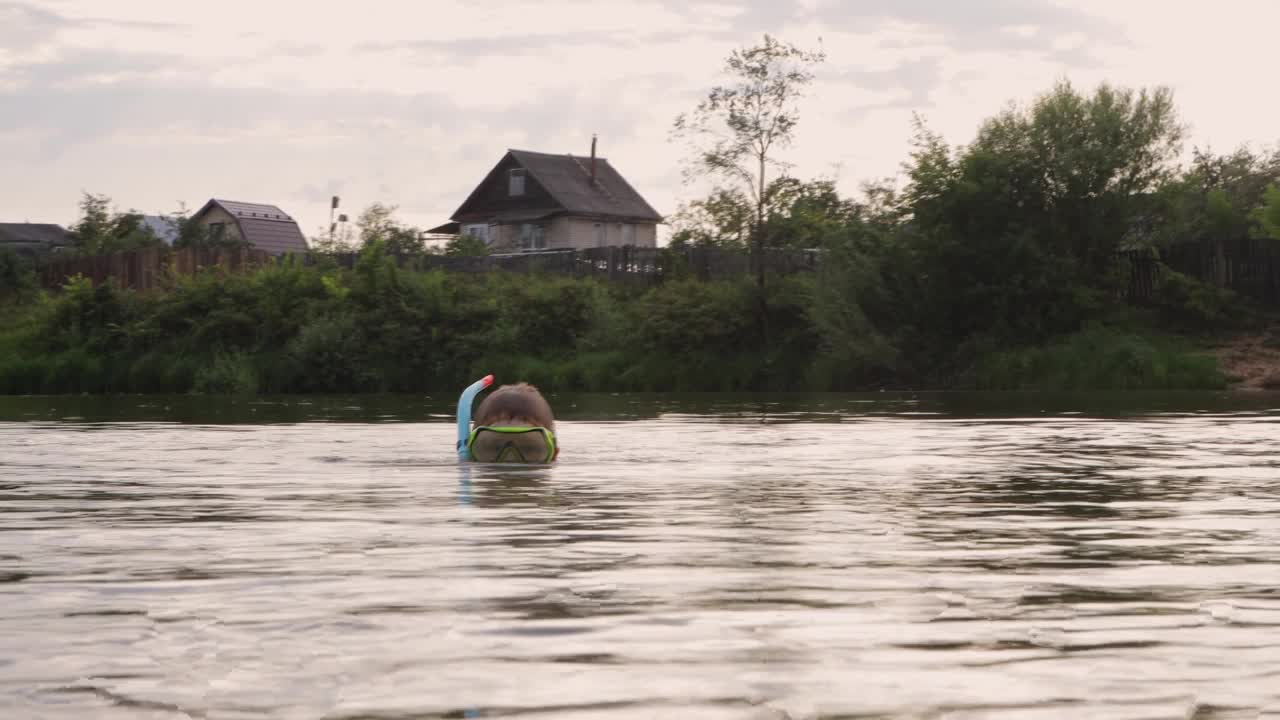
<point>375,329</point>
<point>1251,361</point>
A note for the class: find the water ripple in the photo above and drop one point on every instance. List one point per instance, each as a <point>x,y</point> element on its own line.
<point>691,558</point>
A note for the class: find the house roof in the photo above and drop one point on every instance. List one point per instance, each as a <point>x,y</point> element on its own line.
<point>34,234</point>
<point>267,227</point>
<point>567,179</point>
<point>162,227</point>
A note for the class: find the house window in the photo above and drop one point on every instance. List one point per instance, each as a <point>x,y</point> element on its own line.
<point>599,234</point>
<point>628,234</point>
<point>533,237</point>
<point>479,231</point>
<point>515,182</point>
<point>217,231</point>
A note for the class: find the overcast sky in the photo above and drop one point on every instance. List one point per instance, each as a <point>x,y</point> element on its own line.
<point>162,102</point>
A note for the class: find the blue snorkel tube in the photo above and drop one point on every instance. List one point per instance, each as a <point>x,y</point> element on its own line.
<point>465,402</point>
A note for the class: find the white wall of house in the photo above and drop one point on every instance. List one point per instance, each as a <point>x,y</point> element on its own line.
<point>582,233</point>
<point>565,232</point>
<point>647,235</point>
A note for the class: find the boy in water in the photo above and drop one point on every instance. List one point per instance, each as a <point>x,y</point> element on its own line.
<point>514,424</point>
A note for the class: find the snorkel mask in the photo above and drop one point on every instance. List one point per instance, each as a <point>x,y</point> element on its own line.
<point>520,444</point>
<point>500,444</point>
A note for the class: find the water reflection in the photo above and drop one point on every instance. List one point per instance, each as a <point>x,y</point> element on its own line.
<point>91,413</point>
<point>690,556</point>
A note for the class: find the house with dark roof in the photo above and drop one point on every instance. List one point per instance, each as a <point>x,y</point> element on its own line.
<point>35,238</point>
<point>535,201</point>
<point>265,227</point>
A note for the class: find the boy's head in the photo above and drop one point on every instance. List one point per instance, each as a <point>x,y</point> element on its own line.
<point>514,406</point>
<point>519,404</point>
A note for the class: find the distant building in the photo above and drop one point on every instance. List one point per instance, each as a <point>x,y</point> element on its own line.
<point>35,238</point>
<point>265,227</point>
<point>535,201</point>
<point>163,228</point>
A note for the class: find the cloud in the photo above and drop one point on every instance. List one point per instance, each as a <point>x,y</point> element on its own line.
<point>385,101</point>
<point>918,78</point>
<point>318,193</point>
<point>68,109</point>
<point>467,51</point>
<point>24,26</point>
<point>974,23</point>
<point>303,50</point>
<point>968,25</point>
<point>88,65</point>
<point>464,48</point>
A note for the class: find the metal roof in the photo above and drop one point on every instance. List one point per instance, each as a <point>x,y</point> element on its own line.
<point>267,227</point>
<point>568,179</point>
<point>449,228</point>
<point>257,210</point>
<point>34,234</point>
<point>163,228</point>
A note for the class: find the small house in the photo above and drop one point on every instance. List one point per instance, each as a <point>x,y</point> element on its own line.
<point>538,201</point>
<point>265,227</point>
<point>35,238</point>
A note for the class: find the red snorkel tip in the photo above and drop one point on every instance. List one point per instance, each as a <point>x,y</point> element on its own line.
<point>487,380</point>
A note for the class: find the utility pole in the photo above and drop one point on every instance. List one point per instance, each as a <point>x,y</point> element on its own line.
<point>333,205</point>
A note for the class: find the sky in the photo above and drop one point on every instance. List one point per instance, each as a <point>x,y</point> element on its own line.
<point>161,104</point>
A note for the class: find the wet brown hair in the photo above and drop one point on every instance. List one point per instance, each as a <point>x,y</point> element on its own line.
<point>519,404</point>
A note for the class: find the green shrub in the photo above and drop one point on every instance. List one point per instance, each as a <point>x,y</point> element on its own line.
<point>17,277</point>
<point>288,328</point>
<point>1187,304</point>
<point>227,374</point>
<point>327,355</point>
<point>1098,359</point>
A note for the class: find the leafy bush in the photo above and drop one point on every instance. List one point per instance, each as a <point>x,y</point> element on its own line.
<point>227,374</point>
<point>327,354</point>
<point>1190,305</point>
<point>17,277</point>
<point>1098,359</point>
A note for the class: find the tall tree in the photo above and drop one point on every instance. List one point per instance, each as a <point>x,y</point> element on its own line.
<point>93,231</point>
<point>101,230</point>
<point>722,219</point>
<point>736,131</point>
<point>797,214</point>
<point>378,223</point>
<point>1013,238</point>
<point>1268,215</point>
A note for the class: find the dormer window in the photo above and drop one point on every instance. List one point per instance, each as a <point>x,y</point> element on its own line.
<point>515,182</point>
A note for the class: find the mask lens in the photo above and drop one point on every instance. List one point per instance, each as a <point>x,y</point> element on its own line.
<point>529,446</point>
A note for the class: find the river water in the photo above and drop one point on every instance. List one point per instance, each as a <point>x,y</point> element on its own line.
<point>694,557</point>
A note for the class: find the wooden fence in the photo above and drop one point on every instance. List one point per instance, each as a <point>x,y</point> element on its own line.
<point>638,264</point>
<point>648,265</point>
<point>156,268</point>
<point>148,269</point>
<point>1248,266</point>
